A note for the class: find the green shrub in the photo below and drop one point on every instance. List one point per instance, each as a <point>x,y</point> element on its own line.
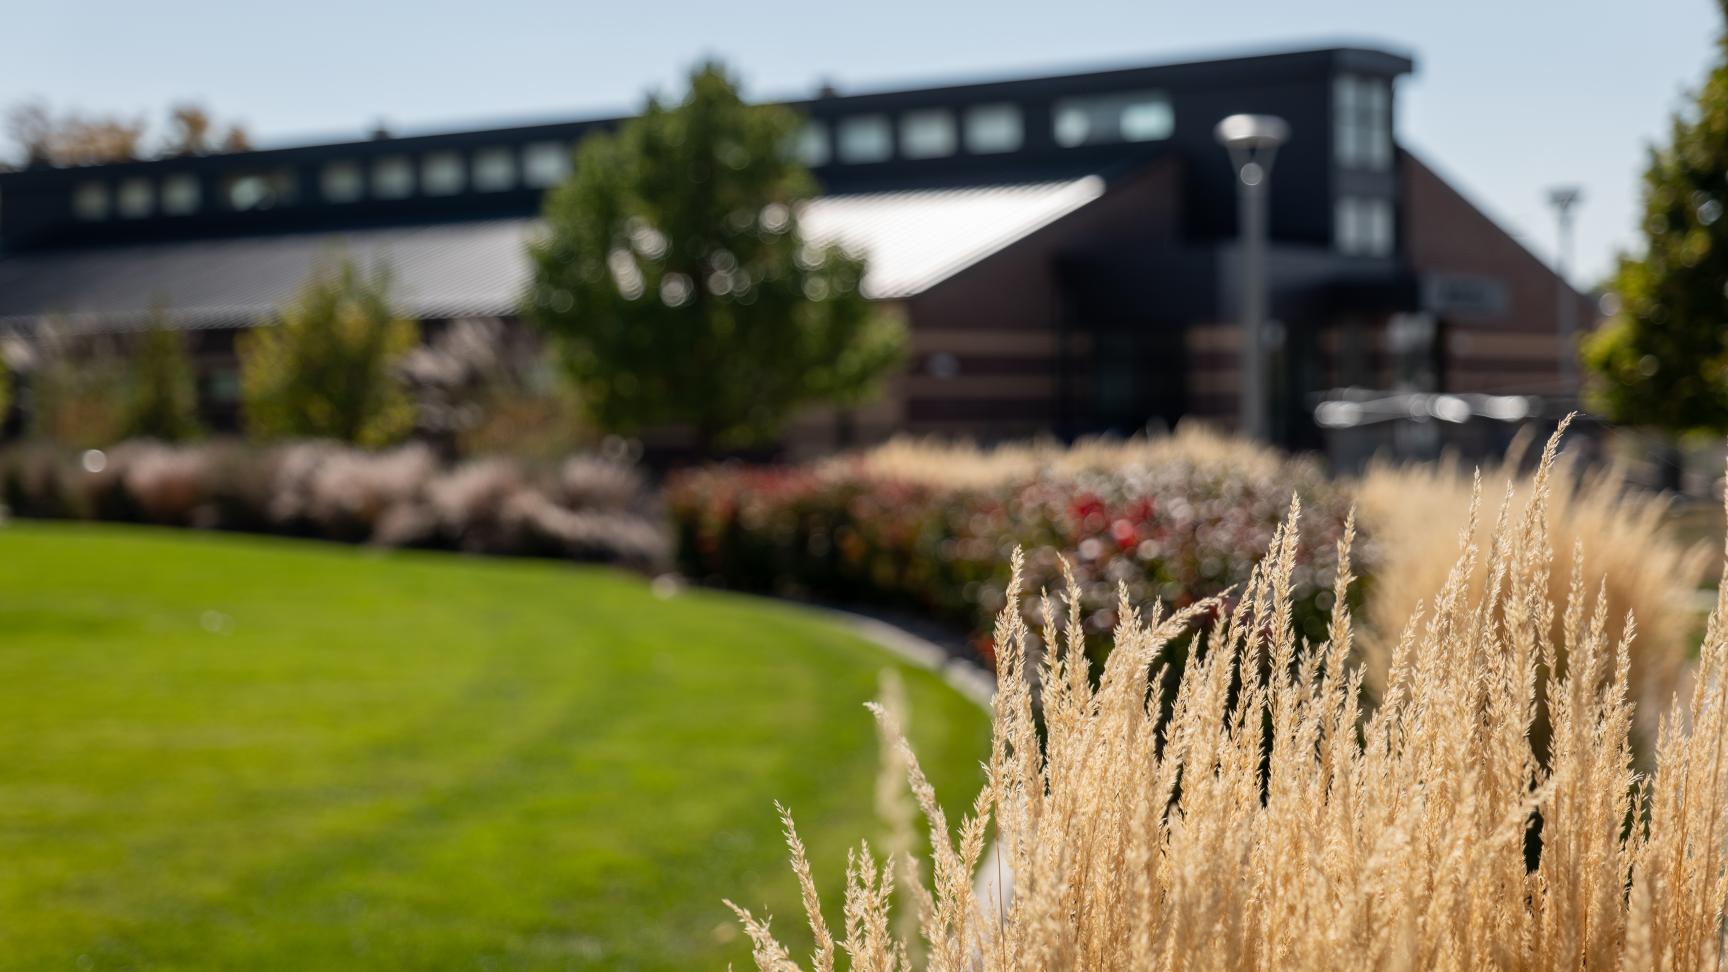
<point>325,367</point>
<point>162,389</point>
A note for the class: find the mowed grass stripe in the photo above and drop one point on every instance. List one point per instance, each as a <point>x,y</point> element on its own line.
<point>222,751</point>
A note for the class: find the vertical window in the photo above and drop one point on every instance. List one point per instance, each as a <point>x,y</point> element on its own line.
<point>811,145</point>
<point>1377,122</point>
<point>1362,122</point>
<point>1364,227</point>
<point>545,164</point>
<point>1143,116</point>
<point>90,201</point>
<point>927,134</point>
<point>181,194</point>
<point>993,128</point>
<point>494,170</point>
<point>392,177</point>
<point>1378,227</point>
<point>340,182</point>
<point>136,198</point>
<point>442,173</point>
<point>866,138</point>
<point>1345,130</point>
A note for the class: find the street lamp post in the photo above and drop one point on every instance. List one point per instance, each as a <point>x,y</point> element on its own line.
<point>1253,142</point>
<point>1563,198</point>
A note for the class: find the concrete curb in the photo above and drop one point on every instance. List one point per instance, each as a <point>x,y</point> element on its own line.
<point>993,886</point>
<point>968,678</point>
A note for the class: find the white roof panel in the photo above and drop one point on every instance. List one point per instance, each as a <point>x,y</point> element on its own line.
<point>918,238</point>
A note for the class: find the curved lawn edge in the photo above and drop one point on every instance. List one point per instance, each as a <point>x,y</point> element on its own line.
<point>441,759</point>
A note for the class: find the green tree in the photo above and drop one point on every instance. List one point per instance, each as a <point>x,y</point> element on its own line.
<point>77,392</point>
<point>326,366</point>
<point>1662,360</point>
<point>162,392</point>
<point>676,286</point>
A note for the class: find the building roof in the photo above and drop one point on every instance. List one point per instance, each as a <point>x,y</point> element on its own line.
<point>919,238</point>
<point>443,270</point>
<point>913,239</point>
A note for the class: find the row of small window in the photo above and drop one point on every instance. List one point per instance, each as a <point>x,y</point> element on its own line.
<point>1364,227</point>
<point>989,129</point>
<point>438,173</point>
<point>1362,122</point>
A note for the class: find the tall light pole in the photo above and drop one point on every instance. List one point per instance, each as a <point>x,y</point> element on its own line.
<point>1253,142</point>
<point>1563,198</point>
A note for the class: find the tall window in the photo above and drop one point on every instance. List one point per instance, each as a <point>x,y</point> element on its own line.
<point>927,134</point>
<point>181,194</point>
<point>442,173</point>
<point>1364,227</point>
<point>494,170</point>
<point>866,138</point>
<point>393,177</point>
<point>993,128</point>
<point>1143,116</point>
<point>1362,122</point>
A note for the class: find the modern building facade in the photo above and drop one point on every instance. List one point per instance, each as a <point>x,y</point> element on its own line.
<point>1063,248</point>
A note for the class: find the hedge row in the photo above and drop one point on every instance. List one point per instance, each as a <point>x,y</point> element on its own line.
<point>1178,521</point>
<point>586,508</point>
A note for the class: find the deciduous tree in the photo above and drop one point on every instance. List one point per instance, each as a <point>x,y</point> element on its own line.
<point>325,367</point>
<point>162,387</point>
<point>1662,361</point>
<point>678,288</point>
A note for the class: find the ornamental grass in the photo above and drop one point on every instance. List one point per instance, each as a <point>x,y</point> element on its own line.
<point>1271,821</point>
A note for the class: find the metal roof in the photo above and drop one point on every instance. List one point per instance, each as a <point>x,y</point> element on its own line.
<point>917,239</point>
<point>913,240</point>
<point>444,270</point>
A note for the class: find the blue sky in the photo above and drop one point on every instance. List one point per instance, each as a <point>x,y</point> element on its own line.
<point>1509,96</point>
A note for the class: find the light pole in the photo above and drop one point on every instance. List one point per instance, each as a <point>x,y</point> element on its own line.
<point>1563,198</point>
<point>1253,142</point>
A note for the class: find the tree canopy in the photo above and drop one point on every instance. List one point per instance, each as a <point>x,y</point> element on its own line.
<point>42,136</point>
<point>325,367</point>
<point>678,288</point>
<point>1662,361</point>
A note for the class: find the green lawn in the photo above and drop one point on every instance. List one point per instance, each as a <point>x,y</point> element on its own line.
<point>242,753</point>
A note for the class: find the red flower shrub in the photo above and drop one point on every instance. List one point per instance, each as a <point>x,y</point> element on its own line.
<point>1177,527</point>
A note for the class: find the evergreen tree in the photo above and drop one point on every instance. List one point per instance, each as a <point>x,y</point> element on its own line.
<point>677,288</point>
<point>1662,361</point>
<point>326,367</point>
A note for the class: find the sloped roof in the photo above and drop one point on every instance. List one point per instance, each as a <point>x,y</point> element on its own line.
<point>917,239</point>
<point>445,270</point>
<point>913,239</point>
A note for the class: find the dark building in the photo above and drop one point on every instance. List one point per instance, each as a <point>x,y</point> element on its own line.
<point>1062,247</point>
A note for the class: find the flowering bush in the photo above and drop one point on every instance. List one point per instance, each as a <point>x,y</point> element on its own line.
<point>588,508</point>
<point>1181,519</point>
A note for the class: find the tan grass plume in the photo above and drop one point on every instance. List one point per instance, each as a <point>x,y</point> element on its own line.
<point>1268,823</point>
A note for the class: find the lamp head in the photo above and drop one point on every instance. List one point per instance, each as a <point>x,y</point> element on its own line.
<point>1253,142</point>
<point>1252,133</point>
